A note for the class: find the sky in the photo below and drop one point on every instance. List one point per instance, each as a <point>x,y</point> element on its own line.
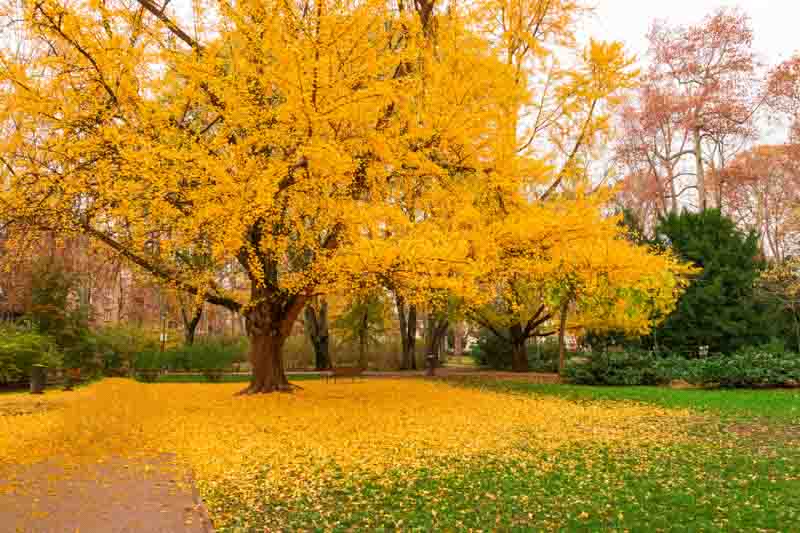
<point>774,22</point>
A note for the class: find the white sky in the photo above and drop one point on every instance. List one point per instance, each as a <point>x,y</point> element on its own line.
<point>775,23</point>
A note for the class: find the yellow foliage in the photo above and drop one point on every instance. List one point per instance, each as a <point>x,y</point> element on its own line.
<point>291,140</point>
<point>316,150</point>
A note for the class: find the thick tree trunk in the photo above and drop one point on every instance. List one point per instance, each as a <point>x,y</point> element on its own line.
<point>519,353</point>
<point>266,358</point>
<point>269,324</point>
<point>519,356</point>
<point>316,326</point>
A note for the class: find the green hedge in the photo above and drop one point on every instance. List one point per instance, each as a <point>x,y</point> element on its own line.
<point>631,367</point>
<point>750,367</point>
<point>209,356</point>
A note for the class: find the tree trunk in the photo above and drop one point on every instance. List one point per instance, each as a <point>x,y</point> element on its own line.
<point>410,353</point>
<point>519,353</point>
<point>519,356</point>
<point>458,339</point>
<point>562,328</point>
<point>269,324</point>
<point>322,356</point>
<point>796,326</point>
<point>190,324</point>
<point>266,358</point>
<point>362,339</point>
<point>437,329</point>
<point>408,333</point>
<point>698,161</point>
<point>316,326</point>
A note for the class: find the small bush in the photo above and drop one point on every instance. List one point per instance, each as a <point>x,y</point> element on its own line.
<point>631,367</point>
<point>543,356</point>
<point>117,347</point>
<point>493,352</point>
<point>22,348</point>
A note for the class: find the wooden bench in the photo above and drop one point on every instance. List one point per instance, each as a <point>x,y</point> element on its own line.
<point>344,372</point>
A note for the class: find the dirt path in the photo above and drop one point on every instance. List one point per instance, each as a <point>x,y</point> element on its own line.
<point>465,373</point>
<point>113,497</point>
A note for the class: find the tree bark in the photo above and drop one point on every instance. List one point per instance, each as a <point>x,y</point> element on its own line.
<point>190,324</point>
<point>562,327</point>
<point>796,325</point>
<point>458,339</point>
<point>269,324</point>
<point>519,356</point>
<point>363,332</point>
<point>316,326</point>
<point>519,353</point>
<point>408,333</point>
<point>701,176</point>
<point>437,329</point>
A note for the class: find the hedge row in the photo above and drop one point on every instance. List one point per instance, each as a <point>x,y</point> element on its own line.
<point>767,366</point>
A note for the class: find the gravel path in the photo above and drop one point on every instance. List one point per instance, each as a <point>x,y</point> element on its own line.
<point>113,497</point>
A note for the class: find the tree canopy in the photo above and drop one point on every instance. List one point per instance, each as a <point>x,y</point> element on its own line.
<point>318,146</point>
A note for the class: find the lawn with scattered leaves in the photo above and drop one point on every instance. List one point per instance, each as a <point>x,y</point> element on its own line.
<point>410,454</point>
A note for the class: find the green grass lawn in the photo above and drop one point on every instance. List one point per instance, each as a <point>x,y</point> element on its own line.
<point>739,472</point>
<point>775,405</point>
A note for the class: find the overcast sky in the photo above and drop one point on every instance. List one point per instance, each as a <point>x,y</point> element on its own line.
<point>775,23</point>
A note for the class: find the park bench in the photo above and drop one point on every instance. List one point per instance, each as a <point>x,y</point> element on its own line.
<point>344,372</point>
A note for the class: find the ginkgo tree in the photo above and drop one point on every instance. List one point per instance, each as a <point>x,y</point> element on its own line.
<point>321,145</point>
<point>278,134</point>
<point>573,257</point>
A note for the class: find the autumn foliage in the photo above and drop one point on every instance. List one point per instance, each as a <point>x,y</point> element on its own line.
<point>693,113</point>
<point>319,147</point>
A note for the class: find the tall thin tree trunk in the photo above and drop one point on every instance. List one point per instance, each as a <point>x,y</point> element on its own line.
<point>436,330</point>
<point>458,339</point>
<point>701,176</point>
<point>407,315</point>
<point>796,326</point>
<point>673,207</point>
<point>316,327</point>
<point>411,337</point>
<point>719,174</point>
<point>562,328</point>
<point>363,333</point>
<point>190,323</point>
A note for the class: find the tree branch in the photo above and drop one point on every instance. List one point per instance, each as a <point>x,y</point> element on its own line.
<point>158,12</point>
<point>477,317</point>
<point>161,273</point>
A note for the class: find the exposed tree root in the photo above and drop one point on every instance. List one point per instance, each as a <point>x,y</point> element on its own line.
<point>264,388</point>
